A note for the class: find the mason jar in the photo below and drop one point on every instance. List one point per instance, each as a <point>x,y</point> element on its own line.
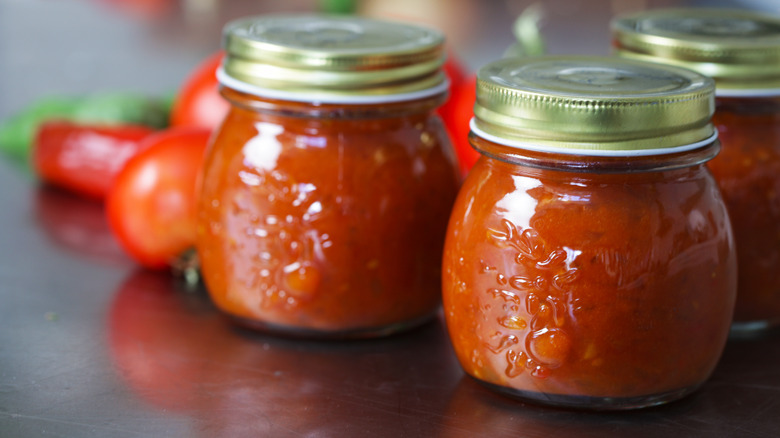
<point>589,260</point>
<point>741,51</point>
<point>326,191</point>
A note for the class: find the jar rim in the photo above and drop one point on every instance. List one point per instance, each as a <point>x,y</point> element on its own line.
<point>323,96</point>
<point>548,148</point>
<point>740,49</point>
<point>746,92</point>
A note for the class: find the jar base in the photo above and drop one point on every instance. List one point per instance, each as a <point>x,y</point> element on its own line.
<point>583,402</point>
<point>316,334</point>
<point>751,329</point>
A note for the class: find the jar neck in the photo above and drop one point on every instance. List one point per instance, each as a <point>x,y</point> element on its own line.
<point>316,110</point>
<point>594,164</point>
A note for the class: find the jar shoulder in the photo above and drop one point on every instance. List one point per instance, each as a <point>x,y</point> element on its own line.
<point>591,211</point>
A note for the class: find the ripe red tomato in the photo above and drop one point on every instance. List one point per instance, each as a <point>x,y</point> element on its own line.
<point>146,9</point>
<point>458,110</point>
<point>198,102</point>
<point>456,74</point>
<point>456,115</point>
<point>454,70</point>
<point>84,158</point>
<point>151,207</point>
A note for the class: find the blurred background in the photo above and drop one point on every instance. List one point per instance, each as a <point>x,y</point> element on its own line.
<point>68,47</point>
<point>92,346</point>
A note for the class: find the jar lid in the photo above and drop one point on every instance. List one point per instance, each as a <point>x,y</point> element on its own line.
<point>593,105</point>
<point>332,58</point>
<point>739,49</point>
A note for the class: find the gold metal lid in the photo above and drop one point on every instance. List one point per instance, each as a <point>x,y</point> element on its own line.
<point>739,49</point>
<point>332,58</point>
<point>593,105</point>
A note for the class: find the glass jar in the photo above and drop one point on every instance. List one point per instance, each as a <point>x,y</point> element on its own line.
<point>589,260</point>
<point>326,191</point>
<point>741,51</point>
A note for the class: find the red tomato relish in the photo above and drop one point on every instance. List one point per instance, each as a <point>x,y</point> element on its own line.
<point>748,172</point>
<point>740,50</point>
<point>323,209</point>
<point>589,261</point>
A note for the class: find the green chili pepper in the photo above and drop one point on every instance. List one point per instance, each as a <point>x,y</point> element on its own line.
<point>338,6</point>
<point>18,131</point>
<point>123,109</point>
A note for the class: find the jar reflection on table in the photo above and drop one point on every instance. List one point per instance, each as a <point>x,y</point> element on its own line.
<point>323,207</point>
<point>166,342</point>
<point>175,352</point>
<point>594,279</point>
<point>741,51</point>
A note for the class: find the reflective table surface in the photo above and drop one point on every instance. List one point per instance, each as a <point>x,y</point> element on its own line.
<point>93,346</point>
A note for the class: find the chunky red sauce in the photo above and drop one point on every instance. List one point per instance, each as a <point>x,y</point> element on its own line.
<point>748,172</point>
<point>327,219</point>
<point>597,288</point>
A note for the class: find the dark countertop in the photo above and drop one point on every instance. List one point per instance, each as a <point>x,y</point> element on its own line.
<point>91,345</point>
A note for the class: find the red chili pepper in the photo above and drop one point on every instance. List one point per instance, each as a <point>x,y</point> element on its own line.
<point>84,158</point>
<point>77,224</point>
